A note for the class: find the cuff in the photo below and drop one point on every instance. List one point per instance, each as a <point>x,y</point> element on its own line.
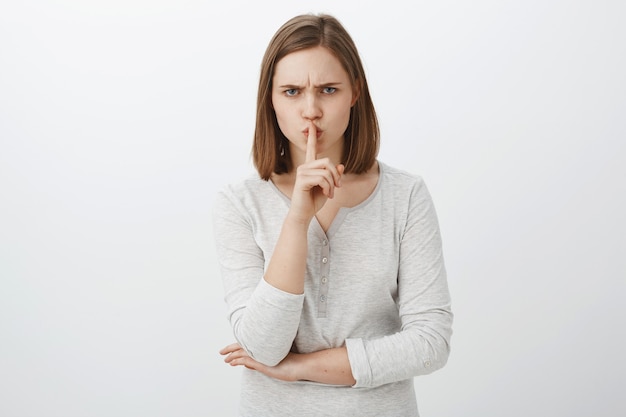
<point>359,363</point>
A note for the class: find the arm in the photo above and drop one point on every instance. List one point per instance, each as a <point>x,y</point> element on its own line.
<point>422,346</point>
<point>264,319</point>
<point>329,366</point>
<point>265,313</point>
<point>314,184</point>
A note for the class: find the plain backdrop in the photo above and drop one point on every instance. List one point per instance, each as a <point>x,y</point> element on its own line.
<point>120,120</point>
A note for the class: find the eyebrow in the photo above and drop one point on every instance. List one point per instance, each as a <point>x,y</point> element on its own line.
<point>330,84</point>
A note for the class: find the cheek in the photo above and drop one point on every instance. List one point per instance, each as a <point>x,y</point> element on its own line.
<point>283,123</point>
<point>345,115</point>
<point>283,118</point>
<point>281,111</point>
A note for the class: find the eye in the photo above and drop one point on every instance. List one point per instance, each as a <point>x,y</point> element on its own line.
<point>290,92</point>
<point>329,90</point>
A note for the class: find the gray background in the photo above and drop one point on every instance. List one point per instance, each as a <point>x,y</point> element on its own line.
<point>120,119</point>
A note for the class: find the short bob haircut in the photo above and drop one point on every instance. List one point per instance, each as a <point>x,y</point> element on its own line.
<point>270,149</point>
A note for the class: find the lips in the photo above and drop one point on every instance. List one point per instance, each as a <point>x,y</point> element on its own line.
<point>318,131</point>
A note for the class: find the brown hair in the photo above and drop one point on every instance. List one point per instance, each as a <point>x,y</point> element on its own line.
<point>270,150</point>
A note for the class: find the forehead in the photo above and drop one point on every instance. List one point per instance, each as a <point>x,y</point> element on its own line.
<point>313,63</point>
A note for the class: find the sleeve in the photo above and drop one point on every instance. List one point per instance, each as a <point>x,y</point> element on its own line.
<point>264,319</point>
<point>423,343</point>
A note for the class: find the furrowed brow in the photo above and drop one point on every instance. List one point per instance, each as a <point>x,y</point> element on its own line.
<point>294,86</point>
<point>290,86</point>
<point>331,84</point>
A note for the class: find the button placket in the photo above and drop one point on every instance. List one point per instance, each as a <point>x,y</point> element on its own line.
<point>324,273</point>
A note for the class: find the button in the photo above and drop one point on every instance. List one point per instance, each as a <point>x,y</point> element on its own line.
<point>324,260</point>
<point>427,364</point>
<point>323,298</point>
<point>324,280</point>
<point>324,242</point>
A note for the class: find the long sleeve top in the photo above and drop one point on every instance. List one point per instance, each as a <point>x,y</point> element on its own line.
<point>374,282</point>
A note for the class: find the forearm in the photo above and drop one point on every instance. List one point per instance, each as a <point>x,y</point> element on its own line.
<point>403,355</point>
<point>287,267</point>
<point>329,366</point>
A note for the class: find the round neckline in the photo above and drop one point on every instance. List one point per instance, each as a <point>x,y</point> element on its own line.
<point>370,197</point>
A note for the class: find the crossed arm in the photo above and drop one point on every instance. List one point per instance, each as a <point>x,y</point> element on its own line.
<point>329,366</point>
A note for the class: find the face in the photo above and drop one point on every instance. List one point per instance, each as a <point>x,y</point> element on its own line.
<point>311,86</point>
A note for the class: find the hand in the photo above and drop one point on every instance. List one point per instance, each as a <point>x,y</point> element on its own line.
<point>316,180</point>
<point>285,370</point>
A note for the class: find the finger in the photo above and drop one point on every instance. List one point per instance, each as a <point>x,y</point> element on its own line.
<point>340,169</point>
<point>311,144</point>
<point>236,355</point>
<point>318,177</point>
<point>230,348</point>
<point>247,362</point>
<point>335,172</point>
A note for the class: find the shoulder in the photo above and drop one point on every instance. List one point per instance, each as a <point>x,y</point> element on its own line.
<point>240,192</point>
<point>249,196</point>
<point>395,179</point>
<point>248,186</point>
<point>412,203</point>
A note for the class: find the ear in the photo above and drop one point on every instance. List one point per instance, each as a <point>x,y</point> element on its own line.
<point>356,92</point>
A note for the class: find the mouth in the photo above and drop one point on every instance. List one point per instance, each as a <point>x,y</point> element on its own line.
<point>318,133</point>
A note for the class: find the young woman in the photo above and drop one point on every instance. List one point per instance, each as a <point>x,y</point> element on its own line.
<point>331,260</point>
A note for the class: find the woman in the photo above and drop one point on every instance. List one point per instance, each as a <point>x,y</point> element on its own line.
<point>331,260</point>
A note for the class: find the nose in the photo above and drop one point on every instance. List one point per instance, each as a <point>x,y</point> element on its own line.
<point>312,109</point>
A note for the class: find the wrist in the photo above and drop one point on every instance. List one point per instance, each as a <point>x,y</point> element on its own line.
<point>298,220</point>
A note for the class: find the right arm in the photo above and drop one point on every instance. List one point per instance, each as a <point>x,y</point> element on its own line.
<point>315,183</point>
<point>264,319</point>
<point>265,313</point>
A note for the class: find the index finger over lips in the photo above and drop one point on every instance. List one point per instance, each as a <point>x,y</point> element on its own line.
<point>311,144</point>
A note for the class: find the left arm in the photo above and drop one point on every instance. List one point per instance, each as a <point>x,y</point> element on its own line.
<point>423,343</point>
<point>328,366</point>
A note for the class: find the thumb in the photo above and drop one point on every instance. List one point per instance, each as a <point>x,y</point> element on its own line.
<point>340,169</point>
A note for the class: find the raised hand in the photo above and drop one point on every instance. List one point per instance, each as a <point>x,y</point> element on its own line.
<point>316,180</point>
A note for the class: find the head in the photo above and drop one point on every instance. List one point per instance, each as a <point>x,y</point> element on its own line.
<point>361,138</point>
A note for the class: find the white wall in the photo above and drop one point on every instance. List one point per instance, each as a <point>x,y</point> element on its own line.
<point>119,120</point>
